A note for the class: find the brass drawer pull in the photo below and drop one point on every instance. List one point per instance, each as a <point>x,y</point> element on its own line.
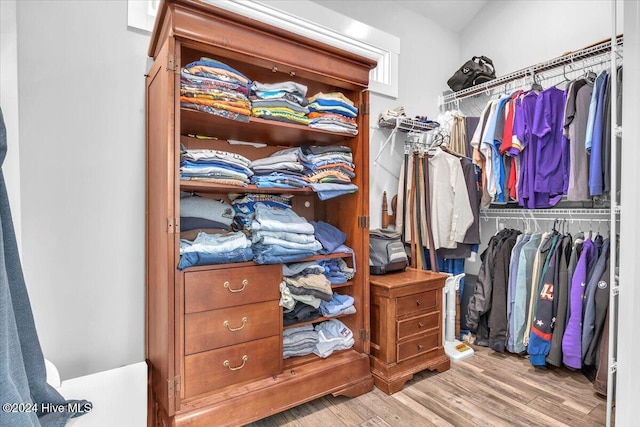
<point>244,360</point>
<point>420,346</point>
<point>418,302</point>
<point>420,324</point>
<point>227,285</point>
<point>226,325</point>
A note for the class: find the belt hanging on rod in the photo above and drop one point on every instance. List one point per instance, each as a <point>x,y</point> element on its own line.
<point>427,197</point>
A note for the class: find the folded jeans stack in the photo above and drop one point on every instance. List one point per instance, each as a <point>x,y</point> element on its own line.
<point>209,249</point>
<point>278,250</point>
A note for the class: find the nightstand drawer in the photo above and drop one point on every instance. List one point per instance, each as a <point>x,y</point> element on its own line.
<point>219,368</point>
<point>211,289</point>
<point>417,325</point>
<point>209,330</point>
<point>416,303</point>
<point>419,345</point>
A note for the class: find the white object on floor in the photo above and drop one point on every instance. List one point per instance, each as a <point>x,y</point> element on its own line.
<point>454,349</point>
<point>119,396</point>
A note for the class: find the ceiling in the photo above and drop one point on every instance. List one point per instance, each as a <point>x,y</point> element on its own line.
<point>451,14</point>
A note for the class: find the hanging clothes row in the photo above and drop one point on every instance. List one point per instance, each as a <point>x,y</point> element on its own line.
<point>536,147</point>
<point>438,204</point>
<point>544,294</point>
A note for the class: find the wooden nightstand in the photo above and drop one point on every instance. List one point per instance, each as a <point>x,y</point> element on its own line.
<point>406,327</point>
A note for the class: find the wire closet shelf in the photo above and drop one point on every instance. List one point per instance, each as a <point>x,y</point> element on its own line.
<point>577,60</point>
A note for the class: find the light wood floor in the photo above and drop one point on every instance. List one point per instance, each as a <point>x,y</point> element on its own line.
<point>488,389</point>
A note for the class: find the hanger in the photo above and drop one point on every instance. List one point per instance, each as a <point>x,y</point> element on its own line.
<point>564,75</point>
<point>536,84</point>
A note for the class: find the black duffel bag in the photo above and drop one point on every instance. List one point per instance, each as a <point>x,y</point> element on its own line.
<point>478,69</point>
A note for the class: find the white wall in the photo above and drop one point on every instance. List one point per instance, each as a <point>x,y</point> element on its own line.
<point>81,101</point>
<point>429,54</point>
<point>9,105</point>
<point>516,34</point>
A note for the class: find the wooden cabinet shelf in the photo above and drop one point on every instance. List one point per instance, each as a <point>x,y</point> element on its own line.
<point>214,333</point>
<point>258,130</point>
<point>251,263</point>
<point>318,320</point>
<point>204,187</point>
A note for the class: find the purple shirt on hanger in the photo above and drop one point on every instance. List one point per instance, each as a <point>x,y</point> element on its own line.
<point>551,173</point>
<point>523,117</point>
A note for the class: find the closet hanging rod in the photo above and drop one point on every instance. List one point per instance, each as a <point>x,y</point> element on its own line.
<point>543,212</point>
<point>560,61</point>
<point>569,220</point>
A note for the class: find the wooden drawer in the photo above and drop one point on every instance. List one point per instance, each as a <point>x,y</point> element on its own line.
<point>416,303</point>
<point>212,289</point>
<point>219,368</point>
<point>208,330</point>
<point>418,345</point>
<point>417,325</point>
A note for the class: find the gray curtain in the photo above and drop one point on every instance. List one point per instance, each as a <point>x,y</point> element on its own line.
<point>26,398</point>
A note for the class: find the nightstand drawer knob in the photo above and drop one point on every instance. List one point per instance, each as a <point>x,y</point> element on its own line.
<point>226,325</point>
<point>228,365</point>
<point>420,324</point>
<point>227,285</point>
<point>420,346</point>
<point>418,302</point>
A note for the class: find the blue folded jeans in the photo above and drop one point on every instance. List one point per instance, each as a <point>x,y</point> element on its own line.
<point>274,254</point>
<point>191,259</point>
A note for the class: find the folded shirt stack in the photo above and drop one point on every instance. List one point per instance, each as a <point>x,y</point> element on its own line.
<point>333,335</point>
<point>284,102</point>
<point>281,247</point>
<point>207,249</point>
<point>203,213</point>
<point>291,295</point>
<point>338,306</point>
<point>301,312</point>
<point>390,118</point>
<point>244,207</point>
<point>305,267</point>
<point>215,166</point>
<point>215,88</point>
<point>299,341</point>
<point>333,112</point>
<point>281,169</point>
<point>336,270</point>
<point>328,170</point>
<point>314,285</point>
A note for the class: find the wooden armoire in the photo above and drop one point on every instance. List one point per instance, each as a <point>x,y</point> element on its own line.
<point>214,333</point>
